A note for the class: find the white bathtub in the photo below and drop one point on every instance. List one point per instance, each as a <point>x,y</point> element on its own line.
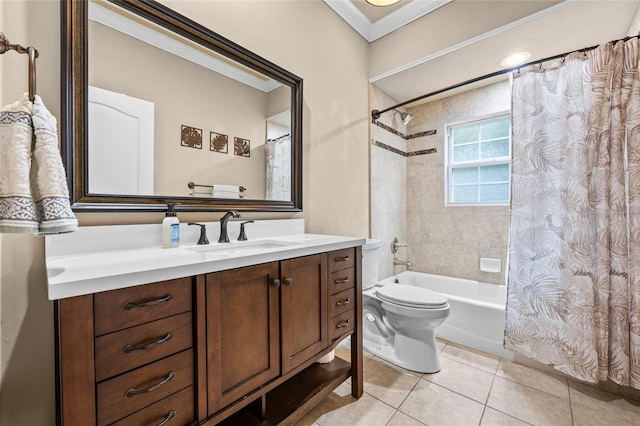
<point>477,315</point>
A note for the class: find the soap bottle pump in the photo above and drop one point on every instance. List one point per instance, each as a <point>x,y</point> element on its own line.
<point>170,228</point>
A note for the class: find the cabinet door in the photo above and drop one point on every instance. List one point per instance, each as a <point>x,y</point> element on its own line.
<point>304,300</point>
<point>243,335</point>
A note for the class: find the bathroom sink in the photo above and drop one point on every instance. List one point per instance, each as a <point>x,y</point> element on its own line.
<point>242,246</point>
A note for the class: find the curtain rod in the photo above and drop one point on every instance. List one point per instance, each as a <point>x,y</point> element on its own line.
<point>375,114</point>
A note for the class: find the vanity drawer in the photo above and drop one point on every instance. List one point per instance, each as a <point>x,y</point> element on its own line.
<point>341,324</point>
<point>341,259</point>
<point>176,409</point>
<point>126,394</point>
<point>341,302</point>
<point>342,280</point>
<point>119,309</point>
<point>127,349</point>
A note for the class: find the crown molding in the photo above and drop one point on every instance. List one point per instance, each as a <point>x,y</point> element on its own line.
<point>373,31</point>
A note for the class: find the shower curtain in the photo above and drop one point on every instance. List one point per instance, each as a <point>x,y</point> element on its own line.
<point>278,174</point>
<point>574,253</point>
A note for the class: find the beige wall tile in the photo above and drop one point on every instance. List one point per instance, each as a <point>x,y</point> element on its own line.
<point>461,233</point>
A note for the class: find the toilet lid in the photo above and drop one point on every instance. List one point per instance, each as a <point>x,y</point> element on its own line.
<point>412,296</point>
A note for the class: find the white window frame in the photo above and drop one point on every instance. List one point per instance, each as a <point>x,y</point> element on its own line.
<point>448,190</point>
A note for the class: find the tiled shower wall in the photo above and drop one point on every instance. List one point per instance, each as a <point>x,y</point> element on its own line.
<point>443,240</point>
<point>388,183</point>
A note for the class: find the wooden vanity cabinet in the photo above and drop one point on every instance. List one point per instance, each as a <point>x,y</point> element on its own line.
<point>235,347</point>
<point>304,309</point>
<point>243,335</point>
<point>126,355</point>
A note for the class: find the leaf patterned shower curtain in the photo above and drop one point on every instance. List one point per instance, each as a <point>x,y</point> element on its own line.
<point>574,254</point>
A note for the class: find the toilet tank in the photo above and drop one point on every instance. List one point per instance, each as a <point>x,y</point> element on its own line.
<point>370,263</point>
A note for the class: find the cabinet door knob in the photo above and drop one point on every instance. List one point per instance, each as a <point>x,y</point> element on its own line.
<point>275,283</point>
<point>288,281</point>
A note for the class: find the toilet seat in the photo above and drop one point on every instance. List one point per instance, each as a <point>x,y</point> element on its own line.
<point>412,296</point>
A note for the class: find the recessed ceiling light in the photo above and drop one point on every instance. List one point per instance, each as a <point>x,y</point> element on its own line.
<point>382,2</point>
<point>515,59</point>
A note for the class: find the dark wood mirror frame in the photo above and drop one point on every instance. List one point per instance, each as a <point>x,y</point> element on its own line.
<point>73,123</point>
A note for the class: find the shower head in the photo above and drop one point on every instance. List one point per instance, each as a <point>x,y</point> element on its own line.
<point>404,116</point>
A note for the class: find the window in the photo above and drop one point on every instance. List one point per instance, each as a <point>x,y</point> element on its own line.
<point>478,161</point>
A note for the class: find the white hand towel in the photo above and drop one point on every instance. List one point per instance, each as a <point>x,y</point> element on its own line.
<point>48,177</point>
<point>225,194</point>
<point>225,188</point>
<point>17,208</point>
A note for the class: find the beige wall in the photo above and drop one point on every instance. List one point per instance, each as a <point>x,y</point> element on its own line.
<point>306,38</point>
<point>444,240</point>
<point>26,340</point>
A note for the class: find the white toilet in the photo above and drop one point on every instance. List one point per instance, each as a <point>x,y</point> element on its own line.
<point>400,320</point>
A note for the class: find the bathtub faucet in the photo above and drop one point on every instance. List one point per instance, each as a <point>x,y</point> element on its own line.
<point>402,262</point>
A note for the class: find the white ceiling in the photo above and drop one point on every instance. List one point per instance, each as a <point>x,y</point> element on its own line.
<point>421,46</point>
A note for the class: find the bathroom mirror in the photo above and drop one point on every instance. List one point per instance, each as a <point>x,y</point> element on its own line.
<point>158,109</point>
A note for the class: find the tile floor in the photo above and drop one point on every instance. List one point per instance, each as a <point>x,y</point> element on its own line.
<point>473,388</point>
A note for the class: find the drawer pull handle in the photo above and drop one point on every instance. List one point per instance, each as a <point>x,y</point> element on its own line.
<point>130,348</point>
<point>171,414</point>
<point>344,302</point>
<point>342,281</point>
<point>130,305</point>
<point>341,259</point>
<point>133,391</point>
<point>343,324</point>
<point>288,281</point>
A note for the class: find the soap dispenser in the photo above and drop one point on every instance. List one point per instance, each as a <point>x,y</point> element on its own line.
<point>170,228</point>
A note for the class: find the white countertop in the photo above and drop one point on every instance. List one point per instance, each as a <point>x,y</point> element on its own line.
<point>91,270</point>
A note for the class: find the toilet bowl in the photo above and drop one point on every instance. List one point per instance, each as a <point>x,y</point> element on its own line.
<point>400,320</point>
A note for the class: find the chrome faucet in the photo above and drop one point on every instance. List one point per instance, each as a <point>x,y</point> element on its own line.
<point>402,262</point>
<point>224,236</point>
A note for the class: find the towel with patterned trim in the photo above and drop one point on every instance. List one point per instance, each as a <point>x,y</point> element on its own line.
<point>34,198</point>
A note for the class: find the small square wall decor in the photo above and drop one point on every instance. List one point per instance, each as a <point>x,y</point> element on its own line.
<point>242,147</point>
<point>191,137</point>
<point>218,142</point>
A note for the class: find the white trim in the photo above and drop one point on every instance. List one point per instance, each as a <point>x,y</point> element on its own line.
<point>373,31</point>
<point>148,35</point>
<point>473,40</point>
